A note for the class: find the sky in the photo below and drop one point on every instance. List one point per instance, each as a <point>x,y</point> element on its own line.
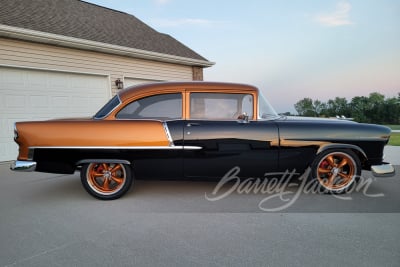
<point>290,49</point>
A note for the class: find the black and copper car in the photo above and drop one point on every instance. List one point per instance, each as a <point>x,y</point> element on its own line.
<point>197,130</point>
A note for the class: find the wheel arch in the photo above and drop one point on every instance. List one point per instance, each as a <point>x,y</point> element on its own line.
<point>357,150</point>
<point>87,161</point>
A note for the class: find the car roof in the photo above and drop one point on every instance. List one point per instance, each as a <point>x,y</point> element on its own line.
<point>160,87</point>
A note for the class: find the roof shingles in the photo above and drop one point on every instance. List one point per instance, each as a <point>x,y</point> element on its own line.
<point>79,19</point>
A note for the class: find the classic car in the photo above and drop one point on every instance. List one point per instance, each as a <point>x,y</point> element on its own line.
<point>197,130</point>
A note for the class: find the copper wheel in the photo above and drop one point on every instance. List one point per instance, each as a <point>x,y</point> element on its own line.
<point>106,180</point>
<point>336,170</point>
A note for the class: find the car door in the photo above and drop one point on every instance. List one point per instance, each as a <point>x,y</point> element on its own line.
<point>164,162</point>
<point>218,125</point>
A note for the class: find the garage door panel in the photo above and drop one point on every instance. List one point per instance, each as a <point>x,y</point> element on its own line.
<point>11,78</point>
<point>39,102</point>
<point>40,95</point>
<point>4,128</point>
<point>15,101</point>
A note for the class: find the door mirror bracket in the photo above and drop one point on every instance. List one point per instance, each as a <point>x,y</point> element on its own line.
<point>243,118</point>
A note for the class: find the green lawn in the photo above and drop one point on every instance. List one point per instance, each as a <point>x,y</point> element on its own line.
<point>394,139</point>
<point>394,127</point>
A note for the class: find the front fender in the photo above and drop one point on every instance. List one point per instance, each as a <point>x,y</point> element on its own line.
<point>343,146</point>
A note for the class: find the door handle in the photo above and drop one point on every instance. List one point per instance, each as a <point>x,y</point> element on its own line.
<point>190,124</point>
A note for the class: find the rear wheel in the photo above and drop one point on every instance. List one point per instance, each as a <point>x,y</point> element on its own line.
<point>336,170</point>
<point>106,181</point>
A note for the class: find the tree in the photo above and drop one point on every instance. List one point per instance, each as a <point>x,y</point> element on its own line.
<point>391,111</point>
<point>338,107</point>
<point>305,107</point>
<point>374,107</point>
<point>358,106</point>
<point>319,107</point>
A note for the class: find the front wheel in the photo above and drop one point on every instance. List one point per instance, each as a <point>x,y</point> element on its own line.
<point>106,181</point>
<point>336,170</point>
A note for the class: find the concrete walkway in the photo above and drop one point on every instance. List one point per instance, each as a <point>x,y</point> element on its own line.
<point>392,154</point>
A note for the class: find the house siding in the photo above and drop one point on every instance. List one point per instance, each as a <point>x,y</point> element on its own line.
<point>41,56</point>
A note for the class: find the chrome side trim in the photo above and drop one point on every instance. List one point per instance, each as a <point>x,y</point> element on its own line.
<point>15,132</point>
<point>121,147</point>
<point>103,161</point>
<point>23,166</point>
<point>168,134</point>
<point>384,170</point>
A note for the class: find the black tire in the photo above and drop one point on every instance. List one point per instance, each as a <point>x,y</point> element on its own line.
<point>336,170</point>
<point>106,181</point>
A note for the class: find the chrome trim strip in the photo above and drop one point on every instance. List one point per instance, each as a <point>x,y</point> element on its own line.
<point>384,170</point>
<point>103,161</point>
<point>100,118</point>
<point>23,166</point>
<point>15,132</point>
<point>166,129</point>
<point>192,147</point>
<point>121,147</point>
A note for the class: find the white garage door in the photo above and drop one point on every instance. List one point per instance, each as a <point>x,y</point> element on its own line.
<point>39,95</point>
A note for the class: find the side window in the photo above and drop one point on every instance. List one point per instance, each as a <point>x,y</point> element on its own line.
<point>220,106</point>
<point>162,107</point>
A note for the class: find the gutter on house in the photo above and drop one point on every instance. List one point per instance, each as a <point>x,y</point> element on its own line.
<point>72,42</point>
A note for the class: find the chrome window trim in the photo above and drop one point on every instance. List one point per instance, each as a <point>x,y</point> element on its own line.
<point>121,147</point>
<point>116,106</point>
<point>151,118</point>
<point>167,132</point>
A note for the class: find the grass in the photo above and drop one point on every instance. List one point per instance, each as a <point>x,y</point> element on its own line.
<point>394,127</point>
<point>394,139</point>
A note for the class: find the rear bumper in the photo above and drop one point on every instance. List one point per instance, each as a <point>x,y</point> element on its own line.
<point>23,166</point>
<point>383,170</point>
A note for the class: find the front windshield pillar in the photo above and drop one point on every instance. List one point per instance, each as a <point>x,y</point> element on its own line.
<point>265,110</point>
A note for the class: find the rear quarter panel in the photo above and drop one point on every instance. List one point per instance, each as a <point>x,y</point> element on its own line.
<point>90,133</point>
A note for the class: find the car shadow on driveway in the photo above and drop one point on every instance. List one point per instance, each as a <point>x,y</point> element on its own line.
<point>371,195</point>
<point>382,195</point>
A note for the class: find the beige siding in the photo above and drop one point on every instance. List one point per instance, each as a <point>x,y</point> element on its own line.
<point>41,56</point>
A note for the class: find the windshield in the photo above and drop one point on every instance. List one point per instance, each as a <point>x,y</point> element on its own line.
<point>265,110</point>
<point>110,106</point>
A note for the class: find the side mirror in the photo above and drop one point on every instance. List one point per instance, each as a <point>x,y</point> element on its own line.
<point>243,118</point>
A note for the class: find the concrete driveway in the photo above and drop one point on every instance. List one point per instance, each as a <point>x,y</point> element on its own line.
<point>49,220</point>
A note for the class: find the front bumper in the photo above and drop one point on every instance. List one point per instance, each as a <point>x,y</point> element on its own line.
<point>383,170</point>
<point>23,166</point>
